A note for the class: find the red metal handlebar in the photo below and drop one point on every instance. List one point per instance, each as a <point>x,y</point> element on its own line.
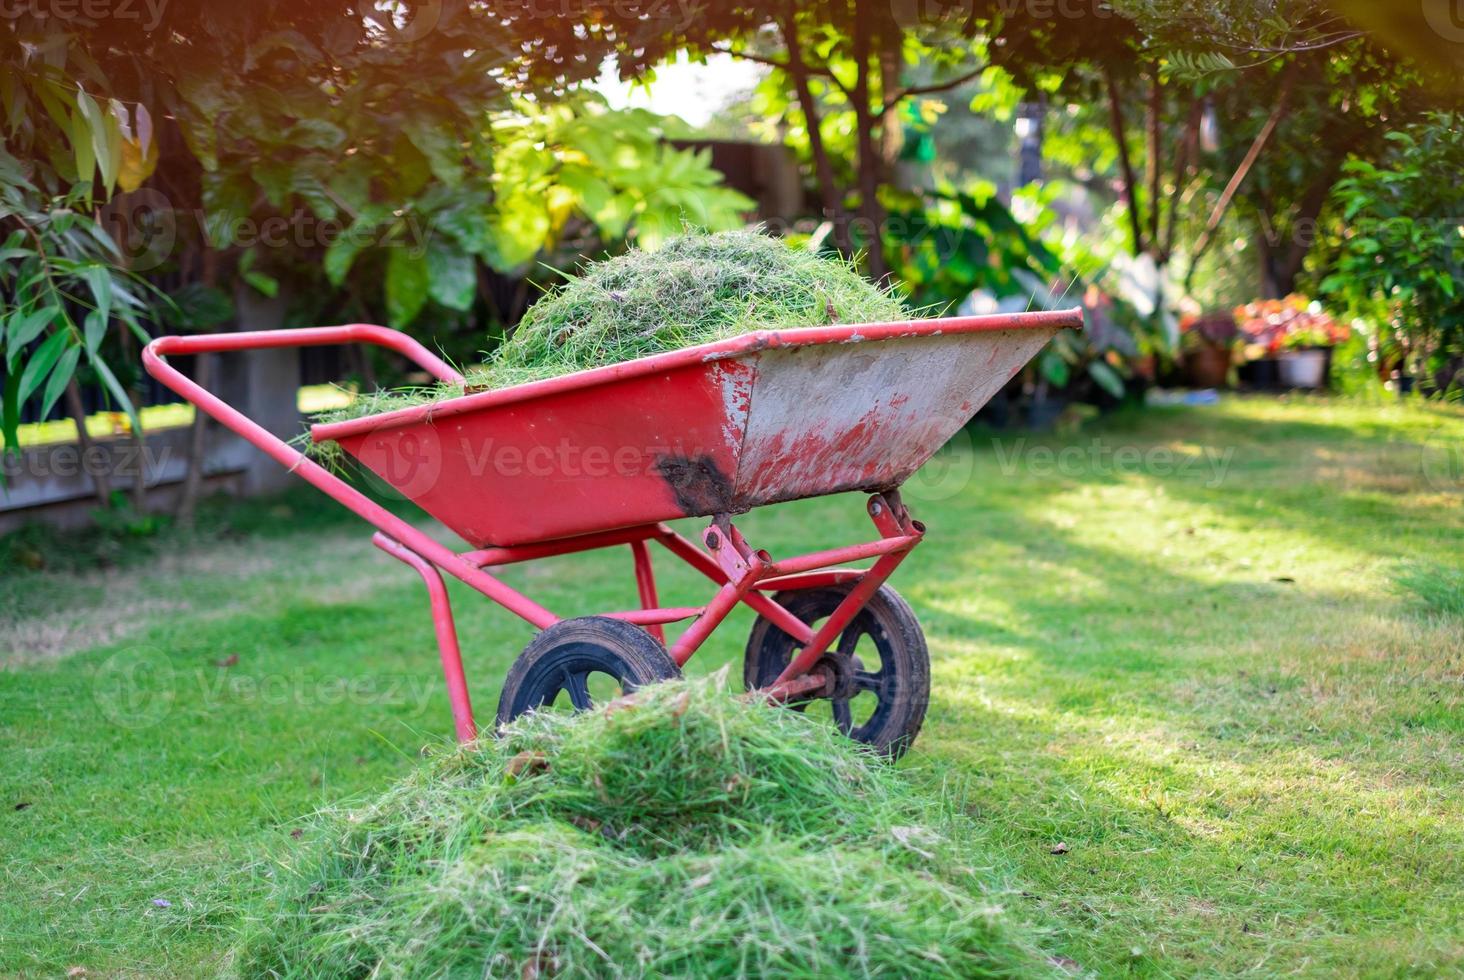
<point>313,473</point>
<point>351,333</point>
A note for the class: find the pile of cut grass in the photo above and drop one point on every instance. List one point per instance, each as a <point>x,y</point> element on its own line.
<point>697,288</point>
<point>688,833</point>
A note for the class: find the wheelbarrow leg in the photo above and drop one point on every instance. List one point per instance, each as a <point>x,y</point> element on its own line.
<point>447,641</point>
<point>893,520</point>
<point>645,581</point>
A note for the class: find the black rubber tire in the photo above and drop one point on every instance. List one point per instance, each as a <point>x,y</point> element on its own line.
<point>901,685</point>
<point>561,658</point>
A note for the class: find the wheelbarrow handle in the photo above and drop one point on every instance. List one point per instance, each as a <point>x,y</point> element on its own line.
<point>352,333</point>
<point>307,469</point>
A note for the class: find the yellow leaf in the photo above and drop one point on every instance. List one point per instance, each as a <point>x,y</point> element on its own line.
<point>137,164</point>
<point>561,203</point>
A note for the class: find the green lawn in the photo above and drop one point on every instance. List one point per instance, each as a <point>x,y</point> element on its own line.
<point>1218,653</point>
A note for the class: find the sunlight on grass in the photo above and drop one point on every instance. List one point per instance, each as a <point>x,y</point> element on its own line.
<point>1233,704</point>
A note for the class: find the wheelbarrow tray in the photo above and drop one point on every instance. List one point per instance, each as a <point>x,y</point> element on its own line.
<point>719,428</point>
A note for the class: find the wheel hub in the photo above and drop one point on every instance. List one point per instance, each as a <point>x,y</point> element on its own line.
<point>840,671</point>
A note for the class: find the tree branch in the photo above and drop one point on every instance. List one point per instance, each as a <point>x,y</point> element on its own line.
<point>1207,238</point>
<point>1156,153</point>
<point>900,96</point>
<point>869,160</point>
<point>1182,162</point>
<point>1116,123</point>
<point>823,168</point>
<point>825,73</point>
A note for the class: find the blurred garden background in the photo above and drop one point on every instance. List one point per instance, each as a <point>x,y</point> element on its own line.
<point>1198,616</point>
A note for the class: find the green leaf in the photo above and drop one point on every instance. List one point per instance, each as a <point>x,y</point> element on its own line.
<point>22,330</point>
<point>99,281</point>
<point>40,365</point>
<point>409,168</point>
<point>10,413</point>
<point>98,126</point>
<point>226,201</point>
<point>453,276</point>
<point>65,368</point>
<point>468,226</point>
<point>262,282</point>
<point>520,226</point>
<point>81,146</point>
<point>319,134</point>
<point>119,395</point>
<point>341,253</point>
<point>94,331</point>
<point>199,307</point>
<point>1055,369</point>
<point>1106,377</point>
<point>595,194</point>
<point>444,154</point>
<point>407,282</point>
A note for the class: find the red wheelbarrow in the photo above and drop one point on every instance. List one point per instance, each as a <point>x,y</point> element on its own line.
<point>605,457</point>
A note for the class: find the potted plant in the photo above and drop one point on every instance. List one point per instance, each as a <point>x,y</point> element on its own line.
<point>1207,344</point>
<point>1306,358</point>
<point>1288,342</point>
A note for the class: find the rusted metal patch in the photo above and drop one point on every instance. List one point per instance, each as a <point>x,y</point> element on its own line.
<point>698,484</point>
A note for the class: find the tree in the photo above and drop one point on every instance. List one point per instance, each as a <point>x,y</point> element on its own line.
<point>354,138</point>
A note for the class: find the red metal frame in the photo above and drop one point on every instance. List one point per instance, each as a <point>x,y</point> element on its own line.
<point>743,575</point>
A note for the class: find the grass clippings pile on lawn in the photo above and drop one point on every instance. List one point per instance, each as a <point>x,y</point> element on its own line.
<point>696,288</point>
<point>685,833</point>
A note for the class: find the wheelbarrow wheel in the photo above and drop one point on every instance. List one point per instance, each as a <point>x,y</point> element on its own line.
<point>579,659</point>
<point>879,666</point>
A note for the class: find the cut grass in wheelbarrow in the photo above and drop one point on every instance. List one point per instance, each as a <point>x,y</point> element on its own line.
<point>682,832</point>
<point>697,288</point>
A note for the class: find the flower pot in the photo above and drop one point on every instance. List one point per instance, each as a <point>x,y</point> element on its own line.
<point>1208,367</point>
<point>1304,368</point>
